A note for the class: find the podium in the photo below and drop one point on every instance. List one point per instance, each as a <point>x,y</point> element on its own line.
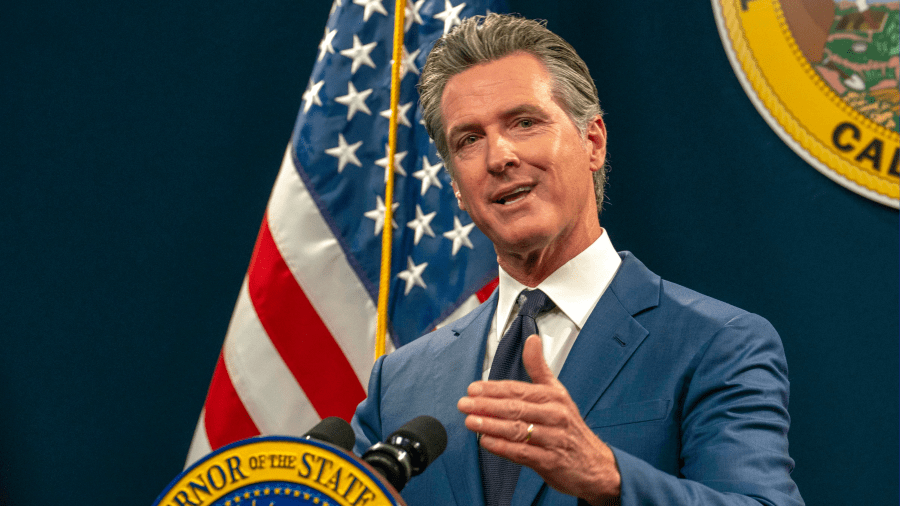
<point>279,471</point>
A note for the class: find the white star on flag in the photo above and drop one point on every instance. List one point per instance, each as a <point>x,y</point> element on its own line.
<point>421,225</point>
<point>412,275</point>
<point>450,15</point>
<point>355,100</point>
<point>412,14</point>
<point>311,96</point>
<point>371,6</point>
<point>325,46</point>
<point>345,153</point>
<point>398,157</point>
<point>403,109</point>
<point>429,174</point>
<point>408,62</point>
<point>377,214</point>
<point>360,54</point>
<point>460,235</point>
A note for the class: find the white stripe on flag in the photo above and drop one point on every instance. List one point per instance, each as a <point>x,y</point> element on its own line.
<point>200,443</point>
<point>321,268</point>
<point>265,385</point>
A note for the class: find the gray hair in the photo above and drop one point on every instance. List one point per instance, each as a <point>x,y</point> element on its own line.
<point>482,39</point>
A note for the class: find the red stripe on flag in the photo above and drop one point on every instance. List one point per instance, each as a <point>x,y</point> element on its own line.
<point>301,338</point>
<point>226,418</point>
<point>487,290</point>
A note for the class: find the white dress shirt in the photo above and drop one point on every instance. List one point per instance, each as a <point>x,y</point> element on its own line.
<point>575,288</point>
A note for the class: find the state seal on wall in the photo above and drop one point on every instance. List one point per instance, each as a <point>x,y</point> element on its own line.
<point>824,75</point>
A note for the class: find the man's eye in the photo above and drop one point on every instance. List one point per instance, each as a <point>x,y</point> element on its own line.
<point>469,139</point>
<point>526,123</point>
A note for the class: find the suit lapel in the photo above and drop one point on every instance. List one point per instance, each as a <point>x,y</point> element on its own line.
<point>609,338</point>
<point>466,355</point>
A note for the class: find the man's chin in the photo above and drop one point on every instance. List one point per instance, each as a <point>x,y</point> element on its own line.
<point>521,244</point>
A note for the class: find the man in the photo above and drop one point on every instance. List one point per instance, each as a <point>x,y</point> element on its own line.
<point>641,391</point>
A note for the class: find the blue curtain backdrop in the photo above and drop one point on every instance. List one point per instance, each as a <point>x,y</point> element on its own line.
<point>138,147</point>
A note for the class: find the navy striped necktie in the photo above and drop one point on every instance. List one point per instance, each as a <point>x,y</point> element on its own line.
<point>499,476</point>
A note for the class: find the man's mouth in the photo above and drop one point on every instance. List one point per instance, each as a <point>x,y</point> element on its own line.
<point>514,196</point>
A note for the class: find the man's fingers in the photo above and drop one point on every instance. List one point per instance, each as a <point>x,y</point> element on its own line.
<point>508,389</point>
<point>511,440</point>
<point>535,365</point>
<point>511,409</point>
<point>511,430</point>
<point>526,454</point>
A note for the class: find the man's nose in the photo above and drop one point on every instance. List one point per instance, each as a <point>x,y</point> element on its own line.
<point>501,154</point>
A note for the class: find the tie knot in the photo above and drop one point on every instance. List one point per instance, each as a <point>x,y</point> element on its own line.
<point>534,302</point>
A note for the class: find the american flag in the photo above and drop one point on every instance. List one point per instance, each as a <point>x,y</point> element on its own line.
<point>301,341</point>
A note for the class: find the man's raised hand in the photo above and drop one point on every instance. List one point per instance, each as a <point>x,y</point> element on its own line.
<point>538,425</point>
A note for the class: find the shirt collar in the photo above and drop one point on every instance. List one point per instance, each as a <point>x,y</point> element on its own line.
<point>566,286</point>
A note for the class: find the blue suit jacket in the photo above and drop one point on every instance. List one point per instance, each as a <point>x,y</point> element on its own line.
<point>690,393</point>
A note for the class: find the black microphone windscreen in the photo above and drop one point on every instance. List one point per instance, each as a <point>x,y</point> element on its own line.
<point>335,431</point>
<point>429,432</point>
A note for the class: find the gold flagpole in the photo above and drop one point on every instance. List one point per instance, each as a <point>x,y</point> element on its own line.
<point>388,229</point>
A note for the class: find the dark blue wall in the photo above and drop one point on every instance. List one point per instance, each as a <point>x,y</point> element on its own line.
<point>138,147</point>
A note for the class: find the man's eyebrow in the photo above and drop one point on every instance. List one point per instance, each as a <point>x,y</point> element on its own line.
<point>523,109</point>
<point>465,127</point>
<point>509,113</point>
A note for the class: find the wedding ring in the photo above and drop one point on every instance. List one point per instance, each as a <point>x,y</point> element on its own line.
<point>528,432</point>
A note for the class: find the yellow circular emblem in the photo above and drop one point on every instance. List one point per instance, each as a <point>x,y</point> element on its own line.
<point>824,75</point>
<point>279,471</point>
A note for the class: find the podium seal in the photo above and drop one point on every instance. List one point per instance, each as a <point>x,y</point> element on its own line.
<point>279,471</point>
<point>824,75</point>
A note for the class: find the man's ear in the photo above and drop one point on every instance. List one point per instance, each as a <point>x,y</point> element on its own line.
<point>459,201</point>
<point>596,138</point>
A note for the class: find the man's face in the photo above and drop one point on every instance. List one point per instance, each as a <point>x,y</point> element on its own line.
<point>521,167</point>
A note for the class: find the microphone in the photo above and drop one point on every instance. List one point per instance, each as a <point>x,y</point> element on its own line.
<point>408,451</point>
<point>335,431</point>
